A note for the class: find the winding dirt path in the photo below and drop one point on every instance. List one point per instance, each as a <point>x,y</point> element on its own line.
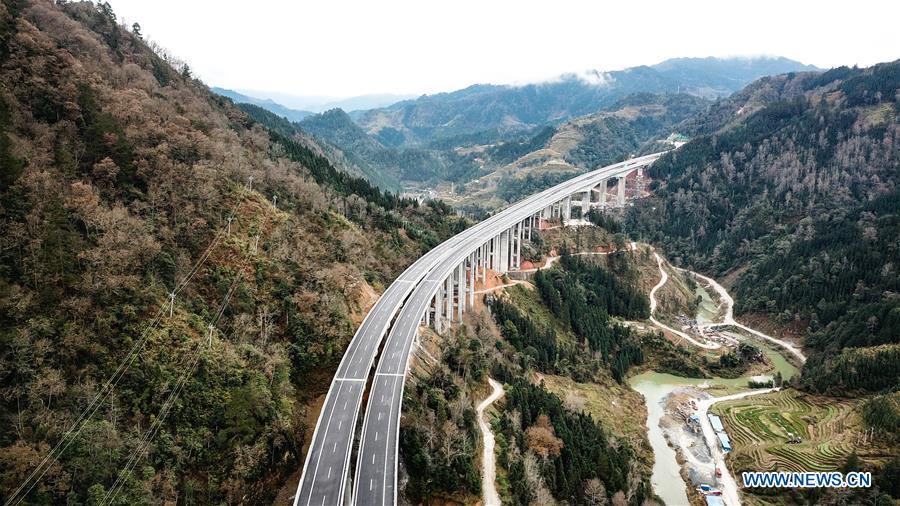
<point>489,467</point>
<point>729,320</point>
<point>664,276</point>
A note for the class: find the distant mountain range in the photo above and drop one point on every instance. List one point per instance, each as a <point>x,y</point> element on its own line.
<point>463,135</point>
<point>485,106</point>
<point>296,107</point>
<point>459,136</point>
<point>266,103</point>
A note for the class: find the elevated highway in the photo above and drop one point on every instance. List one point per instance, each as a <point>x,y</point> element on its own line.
<point>435,290</point>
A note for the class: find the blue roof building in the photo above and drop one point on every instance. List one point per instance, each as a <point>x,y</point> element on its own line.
<point>714,500</point>
<point>716,422</point>
<point>723,439</point>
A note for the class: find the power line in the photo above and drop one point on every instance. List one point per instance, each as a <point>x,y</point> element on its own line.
<point>79,424</point>
<point>150,434</point>
<point>88,412</point>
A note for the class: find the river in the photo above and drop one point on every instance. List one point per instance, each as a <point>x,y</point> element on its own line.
<point>655,387</point>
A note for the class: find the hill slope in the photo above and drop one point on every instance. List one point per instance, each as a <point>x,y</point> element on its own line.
<point>381,155</point>
<point>119,175</point>
<point>486,107</point>
<point>794,186</point>
<point>267,104</point>
<point>580,144</point>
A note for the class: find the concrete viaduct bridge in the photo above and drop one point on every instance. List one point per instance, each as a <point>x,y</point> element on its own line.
<point>435,290</point>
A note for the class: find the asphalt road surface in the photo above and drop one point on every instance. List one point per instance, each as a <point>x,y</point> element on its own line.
<point>376,471</point>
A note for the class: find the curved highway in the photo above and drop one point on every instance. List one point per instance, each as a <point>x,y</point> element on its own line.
<point>376,470</point>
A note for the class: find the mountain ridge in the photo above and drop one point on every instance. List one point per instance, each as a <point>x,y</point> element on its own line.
<point>486,106</point>
<point>266,103</point>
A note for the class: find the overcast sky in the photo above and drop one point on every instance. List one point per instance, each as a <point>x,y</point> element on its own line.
<point>342,48</point>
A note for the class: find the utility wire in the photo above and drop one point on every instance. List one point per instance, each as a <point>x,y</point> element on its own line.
<point>79,424</point>
<point>151,432</point>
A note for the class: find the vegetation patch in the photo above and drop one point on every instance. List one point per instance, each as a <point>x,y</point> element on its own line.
<point>793,431</point>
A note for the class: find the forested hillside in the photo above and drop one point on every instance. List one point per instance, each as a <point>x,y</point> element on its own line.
<point>122,180</point>
<point>628,126</point>
<point>792,185</point>
<point>464,135</point>
<point>486,107</point>
<point>381,156</point>
<point>549,447</point>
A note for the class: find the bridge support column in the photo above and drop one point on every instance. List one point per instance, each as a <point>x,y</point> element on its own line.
<point>620,199</point>
<point>603,184</point>
<point>504,251</point>
<point>511,262</point>
<point>439,308</point>
<point>567,209</point>
<point>513,239</point>
<point>449,299</point>
<point>495,252</point>
<point>461,299</point>
<point>484,263</point>
<point>473,276</point>
<point>521,236</point>
<point>585,204</point>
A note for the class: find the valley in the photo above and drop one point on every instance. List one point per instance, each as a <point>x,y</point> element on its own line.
<point>626,285</point>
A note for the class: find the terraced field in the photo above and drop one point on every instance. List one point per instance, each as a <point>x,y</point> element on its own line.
<point>760,427</point>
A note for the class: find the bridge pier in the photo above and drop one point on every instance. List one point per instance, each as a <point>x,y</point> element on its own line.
<point>603,184</point>
<point>438,304</point>
<point>461,289</point>
<point>474,274</point>
<point>620,200</point>
<point>484,263</point>
<point>448,290</point>
<point>504,251</point>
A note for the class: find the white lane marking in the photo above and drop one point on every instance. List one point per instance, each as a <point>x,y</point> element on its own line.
<point>371,482</point>
<point>376,436</point>
<point>373,459</point>
<point>329,473</point>
<point>323,499</point>
<point>324,437</point>
<point>379,416</point>
<point>350,379</point>
<point>340,422</point>
<point>388,374</point>
<point>384,486</point>
<point>382,398</point>
<point>335,447</point>
<point>545,195</point>
<point>345,404</point>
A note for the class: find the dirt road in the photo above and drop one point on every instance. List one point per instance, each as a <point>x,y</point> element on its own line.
<point>664,276</point>
<point>727,483</point>
<point>489,469</point>
<point>729,320</point>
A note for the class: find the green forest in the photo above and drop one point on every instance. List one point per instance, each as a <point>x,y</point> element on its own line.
<point>579,462</point>
<point>124,180</point>
<point>801,197</point>
<point>581,298</point>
